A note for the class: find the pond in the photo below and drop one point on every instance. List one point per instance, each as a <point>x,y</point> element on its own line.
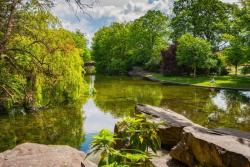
<point>115,98</point>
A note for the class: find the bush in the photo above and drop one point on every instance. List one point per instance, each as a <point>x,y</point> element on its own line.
<point>245,70</point>
<point>138,133</point>
<point>194,52</point>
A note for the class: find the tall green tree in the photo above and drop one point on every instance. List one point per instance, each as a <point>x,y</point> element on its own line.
<point>39,60</point>
<point>193,52</point>
<point>149,35</point>
<point>119,47</point>
<point>245,19</point>
<point>110,49</point>
<point>207,19</point>
<point>237,51</point>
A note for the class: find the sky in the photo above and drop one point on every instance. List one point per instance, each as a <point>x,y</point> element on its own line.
<point>105,12</point>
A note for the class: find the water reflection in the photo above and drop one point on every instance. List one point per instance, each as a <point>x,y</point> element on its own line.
<point>59,125</point>
<point>119,95</point>
<point>220,101</point>
<point>208,107</point>
<point>116,97</point>
<point>95,120</point>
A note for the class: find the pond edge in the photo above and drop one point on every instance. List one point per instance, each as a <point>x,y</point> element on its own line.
<point>149,77</point>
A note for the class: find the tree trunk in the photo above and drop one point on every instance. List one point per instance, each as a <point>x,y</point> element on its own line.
<point>9,26</point>
<point>30,91</point>
<point>236,69</point>
<point>195,72</point>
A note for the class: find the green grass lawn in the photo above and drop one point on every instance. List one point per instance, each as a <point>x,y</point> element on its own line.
<point>220,81</point>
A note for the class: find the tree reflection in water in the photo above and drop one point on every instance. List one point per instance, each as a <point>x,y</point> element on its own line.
<point>60,125</point>
<point>116,98</point>
<point>208,107</point>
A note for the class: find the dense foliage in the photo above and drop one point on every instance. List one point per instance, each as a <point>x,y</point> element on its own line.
<point>245,70</point>
<point>40,62</point>
<point>193,52</point>
<point>201,18</point>
<point>139,134</point>
<point>109,49</point>
<point>238,50</point>
<point>222,26</point>
<point>119,47</point>
<point>149,35</point>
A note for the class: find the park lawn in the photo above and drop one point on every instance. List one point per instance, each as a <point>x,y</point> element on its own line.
<point>220,81</point>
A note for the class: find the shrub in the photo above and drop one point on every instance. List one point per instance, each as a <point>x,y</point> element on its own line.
<point>245,70</point>
<point>140,135</point>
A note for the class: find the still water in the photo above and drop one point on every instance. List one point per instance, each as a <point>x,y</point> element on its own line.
<point>115,98</point>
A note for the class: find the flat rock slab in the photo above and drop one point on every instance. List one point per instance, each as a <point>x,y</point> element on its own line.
<point>171,132</point>
<point>233,132</point>
<point>38,155</point>
<point>206,147</point>
<point>173,118</point>
<point>194,145</point>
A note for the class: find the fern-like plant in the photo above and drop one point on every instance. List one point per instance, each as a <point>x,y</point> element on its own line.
<point>139,133</point>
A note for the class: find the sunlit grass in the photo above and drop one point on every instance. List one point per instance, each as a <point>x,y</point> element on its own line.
<point>220,81</point>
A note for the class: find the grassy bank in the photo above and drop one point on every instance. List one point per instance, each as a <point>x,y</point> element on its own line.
<point>220,81</point>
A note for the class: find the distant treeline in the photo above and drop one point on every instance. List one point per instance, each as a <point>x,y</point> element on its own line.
<point>209,35</point>
<point>122,45</point>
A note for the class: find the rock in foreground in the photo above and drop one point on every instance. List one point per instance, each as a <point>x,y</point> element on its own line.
<point>38,155</point>
<point>197,145</point>
<point>206,147</point>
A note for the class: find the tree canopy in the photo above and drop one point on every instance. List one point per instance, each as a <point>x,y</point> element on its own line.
<point>238,40</point>
<point>193,52</point>
<point>40,61</point>
<point>201,18</point>
<point>119,47</point>
<point>110,50</point>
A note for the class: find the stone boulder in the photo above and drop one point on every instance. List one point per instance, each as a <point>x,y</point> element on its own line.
<point>233,132</point>
<point>209,148</point>
<point>38,155</point>
<point>170,133</point>
<point>195,145</point>
<point>163,159</point>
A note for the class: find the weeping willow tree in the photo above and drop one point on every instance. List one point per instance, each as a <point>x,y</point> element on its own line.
<point>65,79</point>
<point>40,62</point>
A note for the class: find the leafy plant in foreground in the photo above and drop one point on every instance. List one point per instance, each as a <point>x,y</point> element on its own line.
<point>139,134</point>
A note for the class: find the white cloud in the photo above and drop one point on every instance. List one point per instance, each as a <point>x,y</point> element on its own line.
<point>231,1</point>
<point>131,10</point>
<point>106,11</point>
